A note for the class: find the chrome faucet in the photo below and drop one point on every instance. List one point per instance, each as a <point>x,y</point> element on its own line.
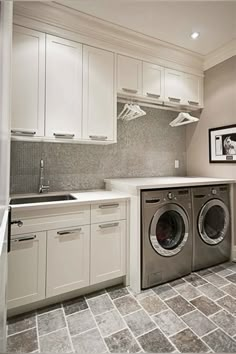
<point>42,188</point>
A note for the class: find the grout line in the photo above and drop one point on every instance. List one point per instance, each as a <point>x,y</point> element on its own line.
<point>56,330</point>
<point>24,330</point>
<point>87,330</point>
<point>37,332</point>
<point>68,331</point>
<point>74,313</point>
<point>44,313</point>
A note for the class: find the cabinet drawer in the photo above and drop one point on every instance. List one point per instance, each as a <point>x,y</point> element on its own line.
<point>49,218</point>
<point>108,256</point>
<point>109,211</point>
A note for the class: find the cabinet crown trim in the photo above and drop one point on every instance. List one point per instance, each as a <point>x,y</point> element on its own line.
<point>92,30</point>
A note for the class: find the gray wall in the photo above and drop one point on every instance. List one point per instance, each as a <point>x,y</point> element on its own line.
<point>146,146</point>
<point>220,110</point>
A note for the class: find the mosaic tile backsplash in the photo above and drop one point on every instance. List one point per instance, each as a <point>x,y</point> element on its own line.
<point>146,147</point>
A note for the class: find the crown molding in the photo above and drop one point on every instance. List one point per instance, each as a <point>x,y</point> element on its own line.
<point>60,20</point>
<point>220,55</point>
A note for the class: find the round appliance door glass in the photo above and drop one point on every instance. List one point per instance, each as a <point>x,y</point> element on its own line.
<point>213,222</point>
<point>169,230</point>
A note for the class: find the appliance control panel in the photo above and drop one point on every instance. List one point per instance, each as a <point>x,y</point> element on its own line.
<point>214,191</point>
<point>170,195</point>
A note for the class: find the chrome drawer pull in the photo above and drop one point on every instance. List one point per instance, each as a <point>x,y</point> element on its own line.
<point>129,90</point>
<point>69,232</point>
<point>153,95</point>
<point>67,136</point>
<point>106,226</point>
<point>107,206</point>
<point>22,132</point>
<point>24,238</point>
<point>174,99</point>
<point>193,102</point>
<point>98,137</point>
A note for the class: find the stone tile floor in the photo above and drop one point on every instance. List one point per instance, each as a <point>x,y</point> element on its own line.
<point>194,314</point>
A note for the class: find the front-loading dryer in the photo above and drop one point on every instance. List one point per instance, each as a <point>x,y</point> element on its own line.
<point>166,242</point>
<point>211,223</point>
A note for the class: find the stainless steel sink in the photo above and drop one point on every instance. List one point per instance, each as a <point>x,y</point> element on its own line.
<point>41,199</point>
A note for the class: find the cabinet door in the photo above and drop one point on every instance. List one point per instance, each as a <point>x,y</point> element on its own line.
<point>153,81</point>
<point>129,73</point>
<point>67,260</point>
<point>99,110</point>
<point>26,269</point>
<point>108,258</point>
<point>193,89</point>
<point>28,82</point>
<point>174,91</point>
<point>63,88</point>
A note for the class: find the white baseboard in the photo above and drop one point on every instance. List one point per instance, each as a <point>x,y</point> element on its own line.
<point>234,254</point>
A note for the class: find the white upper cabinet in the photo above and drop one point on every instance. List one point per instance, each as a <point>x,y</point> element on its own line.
<point>129,71</point>
<point>63,88</point>
<point>174,91</point>
<point>28,82</point>
<point>99,101</point>
<point>153,81</point>
<point>193,87</point>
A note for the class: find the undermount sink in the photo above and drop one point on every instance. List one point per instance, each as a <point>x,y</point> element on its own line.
<point>42,199</point>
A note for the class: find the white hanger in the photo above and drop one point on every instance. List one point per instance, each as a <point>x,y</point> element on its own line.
<point>131,111</point>
<point>182,119</point>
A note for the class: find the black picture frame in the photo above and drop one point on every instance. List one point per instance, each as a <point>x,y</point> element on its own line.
<point>222,144</point>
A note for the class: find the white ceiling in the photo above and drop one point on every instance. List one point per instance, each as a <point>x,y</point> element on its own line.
<point>170,21</point>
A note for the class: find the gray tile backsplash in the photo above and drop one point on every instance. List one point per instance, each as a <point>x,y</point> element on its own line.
<point>146,147</point>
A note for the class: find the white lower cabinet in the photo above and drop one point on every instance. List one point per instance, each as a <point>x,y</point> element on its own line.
<point>67,260</point>
<point>59,260</point>
<point>26,269</point>
<point>107,251</point>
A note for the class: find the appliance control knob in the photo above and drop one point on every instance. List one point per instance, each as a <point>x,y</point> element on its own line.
<point>170,196</point>
<point>213,191</point>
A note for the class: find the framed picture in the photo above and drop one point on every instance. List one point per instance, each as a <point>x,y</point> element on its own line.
<point>222,144</point>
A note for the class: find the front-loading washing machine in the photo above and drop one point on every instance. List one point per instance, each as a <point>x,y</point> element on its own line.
<point>166,240</point>
<point>211,223</point>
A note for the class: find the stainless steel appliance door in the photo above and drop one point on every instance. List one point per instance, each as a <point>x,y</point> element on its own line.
<point>169,230</point>
<point>6,10</point>
<point>213,222</point>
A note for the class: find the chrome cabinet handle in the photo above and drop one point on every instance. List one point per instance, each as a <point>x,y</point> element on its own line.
<point>107,206</point>
<point>69,232</point>
<point>19,223</point>
<point>193,102</point>
<point>153,95</point>
<point>98,137</point>
<point>106,226</point>
<point>22,132</point>
<point>24,238</point>
<point>67,136</point>
<point>129,90</point>
<point>174,99</point>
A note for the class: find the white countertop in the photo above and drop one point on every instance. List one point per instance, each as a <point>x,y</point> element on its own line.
<point>82,197</point>
<point>166,182</point>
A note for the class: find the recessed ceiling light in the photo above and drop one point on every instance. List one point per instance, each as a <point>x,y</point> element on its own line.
<point>195,35</point>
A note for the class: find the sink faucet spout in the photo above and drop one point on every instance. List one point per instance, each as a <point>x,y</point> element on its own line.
<point>42,187</point>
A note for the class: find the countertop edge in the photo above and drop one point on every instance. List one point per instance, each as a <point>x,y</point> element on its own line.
<point>108,196</point>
